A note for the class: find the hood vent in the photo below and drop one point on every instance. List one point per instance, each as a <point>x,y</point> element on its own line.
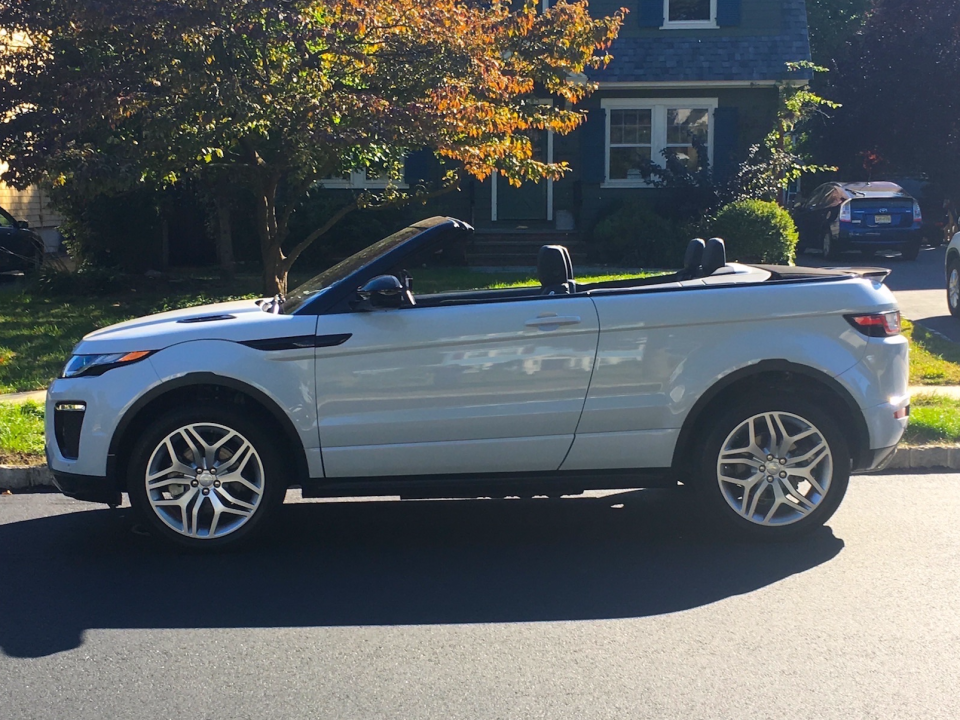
<point>207,318</point>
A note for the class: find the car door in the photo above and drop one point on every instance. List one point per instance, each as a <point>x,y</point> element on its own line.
<point>485,387</point>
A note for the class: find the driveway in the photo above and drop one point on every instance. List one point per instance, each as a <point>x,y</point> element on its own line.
<point>919,286</point>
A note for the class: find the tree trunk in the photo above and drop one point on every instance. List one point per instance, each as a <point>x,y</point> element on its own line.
<point>224,238</point>
<point>274,268</point>
<point>164,242</point>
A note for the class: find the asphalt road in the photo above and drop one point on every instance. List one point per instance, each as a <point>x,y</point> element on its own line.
<point>602,607</point>
<point>919,285</point>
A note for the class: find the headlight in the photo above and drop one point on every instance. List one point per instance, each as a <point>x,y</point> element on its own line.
<point>88,365</point>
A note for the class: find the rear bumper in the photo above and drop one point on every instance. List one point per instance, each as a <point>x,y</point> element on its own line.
<point>90,488</point>
<point>876,239</point>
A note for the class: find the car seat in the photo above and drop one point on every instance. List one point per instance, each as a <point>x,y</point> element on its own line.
<point>555,270</point>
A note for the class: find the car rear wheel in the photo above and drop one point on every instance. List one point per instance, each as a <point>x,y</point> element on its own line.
<point>910,251</point>
<point>206,477</point>
<point>953,287</point>
<point>775,467</point>
<point>829,246</point>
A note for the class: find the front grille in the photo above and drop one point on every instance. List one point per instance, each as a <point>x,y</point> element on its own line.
<point>67,422</point>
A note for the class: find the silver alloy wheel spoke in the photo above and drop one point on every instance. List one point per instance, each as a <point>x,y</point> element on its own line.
<point>204,480</point>
<point>775,468</point>
<point>954,288</point>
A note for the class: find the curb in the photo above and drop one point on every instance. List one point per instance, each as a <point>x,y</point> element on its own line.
<point>16,477</point>
<point>931,457</point>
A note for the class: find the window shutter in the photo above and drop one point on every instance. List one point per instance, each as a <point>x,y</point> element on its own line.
<point>728,13</point>
<point>593,147</point>
<point>726,140</point>
<point>651,13</point>
<point>418,166</point>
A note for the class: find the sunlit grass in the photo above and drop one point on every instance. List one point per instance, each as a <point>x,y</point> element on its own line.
<point>933,419</point>
<point>933,360</point>
<point>21,434</point>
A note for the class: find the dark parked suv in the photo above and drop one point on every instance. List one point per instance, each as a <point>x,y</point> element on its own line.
<point>864,216</point>
<point>21,249</point>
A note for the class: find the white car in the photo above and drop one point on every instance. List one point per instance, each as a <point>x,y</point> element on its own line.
<point>762,387</point>
<point>952,272</point>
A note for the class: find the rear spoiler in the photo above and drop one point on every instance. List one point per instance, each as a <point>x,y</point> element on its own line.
<point>869,273</point>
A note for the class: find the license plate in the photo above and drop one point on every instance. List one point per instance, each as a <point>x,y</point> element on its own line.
<point>882,219</point>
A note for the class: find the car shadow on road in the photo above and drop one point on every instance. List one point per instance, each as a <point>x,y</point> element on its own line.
<point>632,554</point>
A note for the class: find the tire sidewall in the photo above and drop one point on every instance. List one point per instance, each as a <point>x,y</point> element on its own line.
<point>709,488</point>
<point>952,267</point>
<point>274,487</point>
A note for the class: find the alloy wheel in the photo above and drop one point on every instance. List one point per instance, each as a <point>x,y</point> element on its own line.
<point>204,480</point>
<point>953,288</point>
<point>775,468</point>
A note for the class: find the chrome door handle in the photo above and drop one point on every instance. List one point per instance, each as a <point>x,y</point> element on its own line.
<point>550,321</point>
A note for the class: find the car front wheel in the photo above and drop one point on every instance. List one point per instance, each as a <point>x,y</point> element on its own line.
<point>774,468</point>
<point>953,287</point>
<point>206,477</point>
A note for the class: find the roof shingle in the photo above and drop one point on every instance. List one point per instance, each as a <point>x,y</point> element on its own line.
<point>740,58</point>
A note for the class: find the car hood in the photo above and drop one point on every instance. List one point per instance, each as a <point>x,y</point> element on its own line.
<point>237,321</point>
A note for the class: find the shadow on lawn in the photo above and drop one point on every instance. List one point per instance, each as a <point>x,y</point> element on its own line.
<point>385,563</point>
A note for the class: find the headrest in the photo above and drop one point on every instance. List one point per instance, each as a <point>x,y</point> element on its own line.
<point>714,257</point>
<point>694,255</point>
<point>554,266</point>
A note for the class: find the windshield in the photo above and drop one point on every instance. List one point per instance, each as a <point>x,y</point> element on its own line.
<point>297,297</point>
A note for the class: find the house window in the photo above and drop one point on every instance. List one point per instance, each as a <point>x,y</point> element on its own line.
<point>369,179</point>
<point>690,14</point>
<point>640,131</point>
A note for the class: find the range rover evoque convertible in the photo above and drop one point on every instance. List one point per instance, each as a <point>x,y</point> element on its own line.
<point>761,388</point>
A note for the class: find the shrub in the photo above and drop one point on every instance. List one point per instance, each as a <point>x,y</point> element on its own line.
<point>87,280</point>
<point>756,231</point>
<point>635,235</point>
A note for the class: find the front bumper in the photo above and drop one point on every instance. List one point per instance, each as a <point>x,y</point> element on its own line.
<point>90,488</point>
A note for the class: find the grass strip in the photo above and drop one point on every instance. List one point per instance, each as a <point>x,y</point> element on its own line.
<point>933,360</point>
<point>21,434</point>
<point>934,419</point>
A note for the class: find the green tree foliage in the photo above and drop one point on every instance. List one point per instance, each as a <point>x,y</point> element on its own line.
<point>276,95</point>
<point>834,23</point>
<point>898,83</point>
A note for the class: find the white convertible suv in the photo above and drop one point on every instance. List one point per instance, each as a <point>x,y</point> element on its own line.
<point>761,387</point>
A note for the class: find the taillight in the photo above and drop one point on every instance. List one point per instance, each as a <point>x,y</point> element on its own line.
<point>917,215</point>
<point>845,212</point>
<point>877,324</point>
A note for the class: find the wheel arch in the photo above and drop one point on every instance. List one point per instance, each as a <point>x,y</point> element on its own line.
<point>778,373</point>
<point>953,254</point>
<point>202,385</point>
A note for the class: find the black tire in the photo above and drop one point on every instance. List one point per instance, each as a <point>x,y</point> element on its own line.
<point>269,474</point>
<point>829,246</point>
<point>953,267</point>
<point>715,498</point>
<point>910,251</point>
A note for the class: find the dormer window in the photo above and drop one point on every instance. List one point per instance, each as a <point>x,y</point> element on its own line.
<point>691,14</point>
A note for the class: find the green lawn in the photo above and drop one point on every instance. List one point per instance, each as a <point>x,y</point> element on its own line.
<point>21,434</point>
<point>933,360</point>
<point>933,419</point>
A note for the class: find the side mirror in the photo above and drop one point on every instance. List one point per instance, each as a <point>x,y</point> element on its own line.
<point>23,224</point>
<point>383,291</point>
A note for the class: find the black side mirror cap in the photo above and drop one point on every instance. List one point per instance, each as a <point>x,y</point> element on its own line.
<point>23,224</point>
<point>383,291</point>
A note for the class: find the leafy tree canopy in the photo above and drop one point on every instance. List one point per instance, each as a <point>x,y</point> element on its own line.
<point>901,99</point>
<point>278,94</point>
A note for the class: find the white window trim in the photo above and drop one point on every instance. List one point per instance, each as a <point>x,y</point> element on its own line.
<point>358,181</point>
<point>659,106</point>
<point>710,24</point>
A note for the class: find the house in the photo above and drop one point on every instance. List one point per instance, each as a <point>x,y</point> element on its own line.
<point>681,69</point>
<point>32,204</point>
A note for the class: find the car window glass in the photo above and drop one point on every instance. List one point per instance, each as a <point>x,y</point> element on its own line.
<point>6,221</point>
<point>442,268</point>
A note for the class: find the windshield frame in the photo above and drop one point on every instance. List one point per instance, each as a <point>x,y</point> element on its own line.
<point>343,279</point>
